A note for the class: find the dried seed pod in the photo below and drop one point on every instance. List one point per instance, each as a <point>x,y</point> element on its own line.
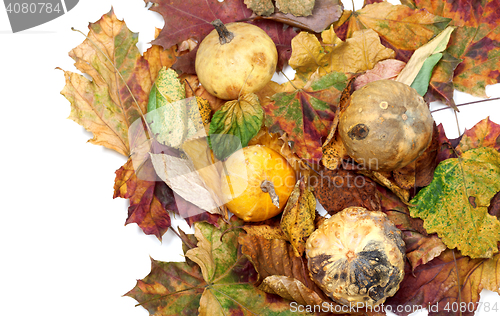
<point>386,125</point>
<point>357,257</point>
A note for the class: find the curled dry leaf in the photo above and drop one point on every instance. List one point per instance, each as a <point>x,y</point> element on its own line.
<point>297,220</point>
<point>420,173</point>
<point>290,289</point>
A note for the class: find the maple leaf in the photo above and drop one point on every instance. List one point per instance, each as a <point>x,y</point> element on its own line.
<point>118,93</point>
<point>447,279</point>
<point>455,204</point>
<point>220,283</point>
<point>485,133</point>
<point>306,114</point>
<point>150,201</point>
<point>475,41</point>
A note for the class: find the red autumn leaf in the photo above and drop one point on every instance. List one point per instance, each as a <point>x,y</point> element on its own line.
<point>484,134</point>
<point>150,201</point>
<point>475,41</point>
<point>306,114</point>
<point>448,280</point>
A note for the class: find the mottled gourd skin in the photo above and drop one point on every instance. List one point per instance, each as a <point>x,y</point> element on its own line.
<point>245,64</point>
<point>357,257</point>
<point>242,177</point>
<point>386,125</point>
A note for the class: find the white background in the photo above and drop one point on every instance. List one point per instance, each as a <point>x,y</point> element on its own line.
<point>65,249</point>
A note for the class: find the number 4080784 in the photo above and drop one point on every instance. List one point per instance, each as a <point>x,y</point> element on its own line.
<point>26,8</point>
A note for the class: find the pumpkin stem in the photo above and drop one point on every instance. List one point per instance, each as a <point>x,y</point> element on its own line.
<point>268,187</point>
<point>224,35</point>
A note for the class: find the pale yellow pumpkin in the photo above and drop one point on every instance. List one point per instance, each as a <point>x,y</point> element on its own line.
<point>243,64</point>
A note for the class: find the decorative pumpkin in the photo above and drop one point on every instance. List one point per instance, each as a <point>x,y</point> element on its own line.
<point>357,257</point>
<point>386,125</point>
<point>256,183</point>
<point>236,58</point>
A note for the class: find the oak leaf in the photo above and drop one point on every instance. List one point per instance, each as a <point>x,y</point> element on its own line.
<point>455,204</point>
<point>118,93</point>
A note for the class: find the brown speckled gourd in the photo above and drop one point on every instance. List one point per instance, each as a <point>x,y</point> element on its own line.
<point>357,257</point>
<point>235,58</point>
<point>386,125</point>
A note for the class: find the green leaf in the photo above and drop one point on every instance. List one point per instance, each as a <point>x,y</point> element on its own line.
<point>234,124</point>
<point>421,82</point>
<point>220,283</point>
<point>171,117</point>
<point>455,204</point>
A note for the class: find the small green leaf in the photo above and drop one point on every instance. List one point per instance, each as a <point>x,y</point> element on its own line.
<point>421,82</point>
<point>234,124</point>
<point>172,117</point>
<point>455,204</point>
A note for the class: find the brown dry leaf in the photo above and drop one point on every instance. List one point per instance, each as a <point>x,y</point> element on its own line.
<point>395,24</point>
<point>297,220</point>
<point>333,153</point>
<point>291,289</point>
<point>385,69</point>
<point>384,179</point>
<point>421,172</point>
<point>266,231</point>
<point>420,246</point>
<point>194,88</point>
<point>276,257</point>
<point>158,57</point>
<point>338,189</point>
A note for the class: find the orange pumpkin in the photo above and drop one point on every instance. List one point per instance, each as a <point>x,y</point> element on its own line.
<point>251,177</point>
